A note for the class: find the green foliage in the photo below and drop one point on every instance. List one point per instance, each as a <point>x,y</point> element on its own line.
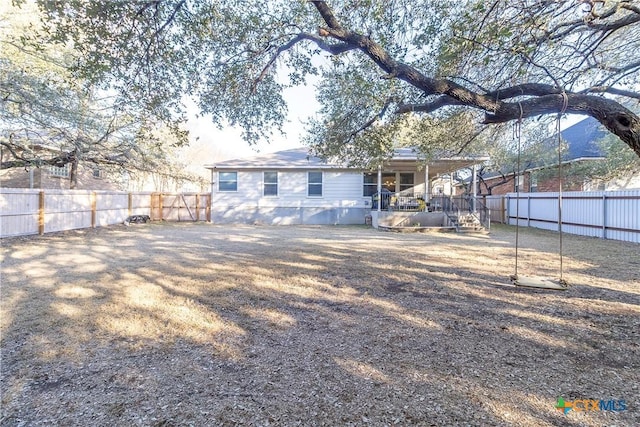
<point>236,58</point>
<point>503,42</point>
<point>619,162</point>
<point>45,105</point>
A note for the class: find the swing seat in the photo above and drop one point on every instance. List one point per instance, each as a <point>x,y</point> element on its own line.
<point>538,282</point>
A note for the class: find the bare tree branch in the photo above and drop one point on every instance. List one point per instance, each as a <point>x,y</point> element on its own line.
<point>613,91</point>
<point>334,49</point>
<point>373,120</point>
<point>617,119</point>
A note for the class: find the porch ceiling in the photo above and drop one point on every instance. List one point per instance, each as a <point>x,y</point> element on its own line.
<point>436,167</point>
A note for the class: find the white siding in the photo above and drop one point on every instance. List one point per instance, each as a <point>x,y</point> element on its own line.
<point>339,189</point>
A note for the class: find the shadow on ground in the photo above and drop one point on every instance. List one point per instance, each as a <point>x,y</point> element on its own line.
<point>198,324</point>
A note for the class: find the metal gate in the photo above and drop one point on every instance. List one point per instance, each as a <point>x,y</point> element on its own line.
<point>181,207</point>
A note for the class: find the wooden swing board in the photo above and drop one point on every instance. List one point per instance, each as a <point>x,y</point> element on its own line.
<point>538,282</point>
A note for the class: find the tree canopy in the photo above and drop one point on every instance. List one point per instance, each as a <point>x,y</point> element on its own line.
<point>382,66</point>
<point>50,117</point>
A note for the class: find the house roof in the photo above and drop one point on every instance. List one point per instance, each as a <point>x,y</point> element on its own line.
<point>299,158</point>
<point>296,158</point>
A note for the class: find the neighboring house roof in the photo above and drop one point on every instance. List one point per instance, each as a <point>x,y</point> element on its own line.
<point>582,144</point>
<point>582,140</point>
<point>299,158</point>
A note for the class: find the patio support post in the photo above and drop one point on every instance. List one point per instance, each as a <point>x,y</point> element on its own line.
<point>426,184</point>
<point>450,203</point>
<point>475,186</point>
<point>379,188</point>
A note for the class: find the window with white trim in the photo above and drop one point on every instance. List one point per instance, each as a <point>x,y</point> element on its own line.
<point>98,173</point>
<point>391,181</point>
<point>370,184</point>
<point>314,184</point>
<point>61,171</point>
<point>227,181</point>
<point>270,183</point>
<point>534,183</point>
<point>406,181</point>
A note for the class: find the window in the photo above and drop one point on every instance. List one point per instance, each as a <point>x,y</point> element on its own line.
<point>314,180</point>
<point>98,173</point>
<point>406,181</point>
<point>61,171</point>
<point>227,181</point>
<point>370,184</point>
<point>534,183</point>
<point>389,180</point>
<point>270,183</point>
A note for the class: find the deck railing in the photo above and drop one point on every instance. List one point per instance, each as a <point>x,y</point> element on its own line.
<point>464,204</point>
<point>417,202</point>
<point>403,201</point>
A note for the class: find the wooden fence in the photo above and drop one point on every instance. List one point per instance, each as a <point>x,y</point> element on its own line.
<point>606,214</point>
<point>181,206</point>
<point>26,211</point>
<point>497,208</point>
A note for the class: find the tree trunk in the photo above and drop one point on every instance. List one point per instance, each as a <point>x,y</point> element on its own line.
<point>73,174</point>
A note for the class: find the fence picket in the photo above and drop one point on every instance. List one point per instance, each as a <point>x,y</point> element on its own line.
<point>606,214</point>
<point>35,211</point>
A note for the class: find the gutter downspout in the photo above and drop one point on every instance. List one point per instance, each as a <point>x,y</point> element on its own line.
<point>212,181</point>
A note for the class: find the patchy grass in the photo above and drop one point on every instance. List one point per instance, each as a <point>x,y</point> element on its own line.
<point>174,324</point>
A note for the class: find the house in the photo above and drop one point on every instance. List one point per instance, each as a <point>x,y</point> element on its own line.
<point>292,187</point>
<point>89,177</point>
<point>581,140</point>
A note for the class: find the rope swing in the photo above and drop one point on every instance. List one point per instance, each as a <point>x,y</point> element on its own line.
<point>532,281</point>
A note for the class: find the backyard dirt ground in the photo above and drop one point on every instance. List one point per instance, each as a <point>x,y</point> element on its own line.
<point>196,324</point>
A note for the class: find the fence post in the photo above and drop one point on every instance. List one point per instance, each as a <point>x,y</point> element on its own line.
<point>507,211</point>
<point>130,205</point>
<point>197,207</point>
<point>41,213</point>
<point>92,200</point>
<point>604,216</point>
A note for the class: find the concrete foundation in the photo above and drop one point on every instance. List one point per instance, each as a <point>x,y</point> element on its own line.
<point>418,221</point>
<point>289,216</point>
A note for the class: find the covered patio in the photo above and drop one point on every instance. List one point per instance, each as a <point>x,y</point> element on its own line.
<point>407,182</point>
<point>409,191</point>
